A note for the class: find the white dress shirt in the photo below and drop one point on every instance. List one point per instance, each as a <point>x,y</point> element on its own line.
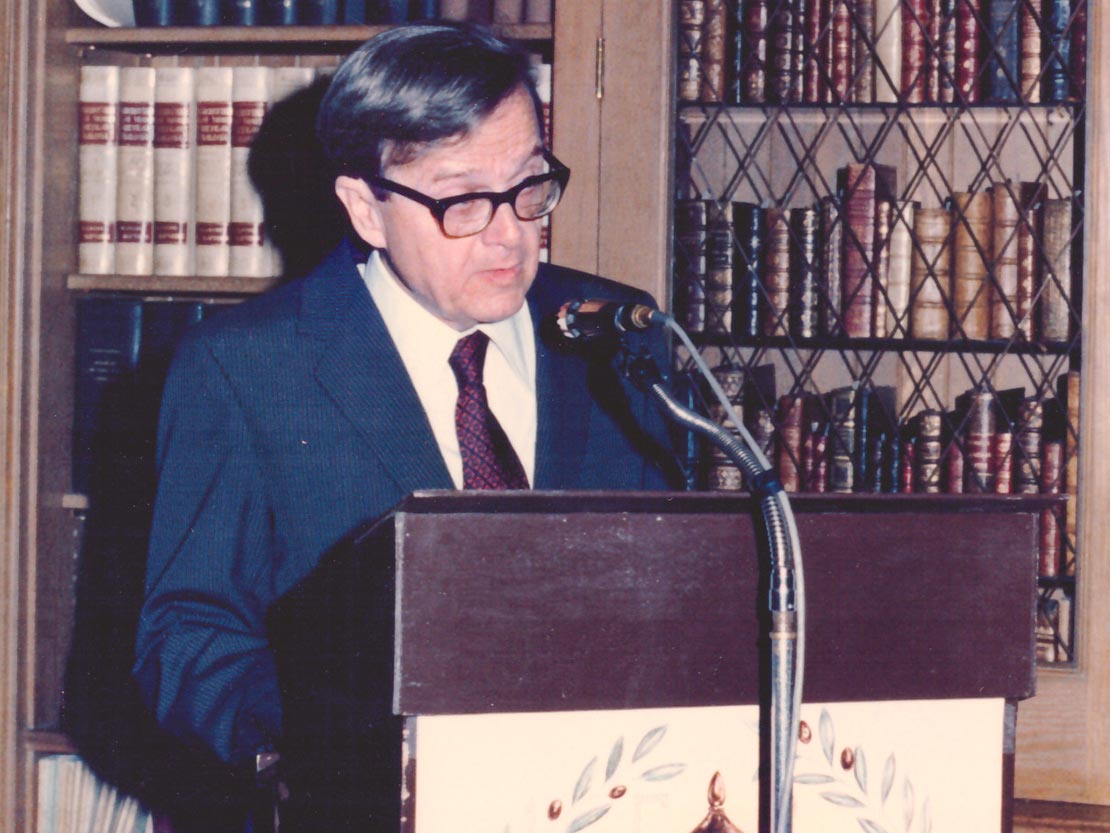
<point>425,343</point>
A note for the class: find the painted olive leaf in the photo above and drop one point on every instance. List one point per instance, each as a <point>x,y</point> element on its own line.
<point>588,818</point>
<point>860,769</point>
<point>827,733</point>
<point>813,778</point>
<point>664,773</point>
<point>584,781</point>
<point>888,777</point>
<point>870,826</point>
<point>842,799</point>
<point>907,803</point>
<point>649,742</point>
<point>614,758</point>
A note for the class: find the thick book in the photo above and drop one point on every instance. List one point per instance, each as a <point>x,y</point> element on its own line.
<point>774,314</point>
<point>969,40</point>
<point>1052,480</point>
<point>1078,67</point>
<point>875,425</point>
<point>213,171</point>
<point>941,81</point>
<point>815,72</point>
<point>718,268</point>
<point>1068,393</point>
<point>714,33</point>
<point>915,31</point>
<point>886,188</point>
<point>898,281</point>
<point>1056,276</point>
<point>800,49</point>
<point>971,248</point>
<point>691,234</point>
<point>1004,261</point>
<point>250,94</point>
<point>805,268</point>
<point>841,52</point>
<point>1027,446</point>
<point>1030,201</point>
<point>135,172</point>
<point>691,25</point>
<point>1029,45</point>
<point>791,411</point>
<point>722,474</point>
<point>1003,64</point>
<point>857,198</point>
<point>174,158</point>
<point>780,51</point>
<point>979,429</point>
<point>888,50</point>
<point>753,23</point>
<point>930,274</point>
<point>832,251</point>
<point>863,79</point>
<point>953,460</point>
<point>1002,461</point>
<point>1056,49</point>
<point>749,232</point>
<point>98,122</point>
<point>927,452</point>
<point>842,438</point>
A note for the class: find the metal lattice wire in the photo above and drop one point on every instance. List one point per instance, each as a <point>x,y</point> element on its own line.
<point>789,160</point>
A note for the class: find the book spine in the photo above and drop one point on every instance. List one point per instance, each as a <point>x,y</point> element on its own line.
<point>98,126</point>
<point>1004,290</point>
<point>978,440</point>
<point>832,249</point>
<point>318,12</point>
<point>805,268</point>
<point>1030,195</point>
<point>250,93</point>
<point>1056,46</point>
<point>842,440</point>
<point>898,283</point>
<point>1004,56</point>
<point>1052,480</point>
<point>1069,384</point>
<point>722,474</point>
<point>1002,461</point>
<point>712,86</point>
<point>863,82</point>
<point>813,74</point>
<point>135,185</point>
<point>880,281</point>
<point>213,171</point>
<point>906,466</point>
<point>774,314</point>
<point>888,49</point>
<point>174,129</point>
<point>243,13</point>
<point>859,236</point>
<point>1030,62</point>
<point>915,29</point>
<point>968,40</point>
<point>155,13</point>
<point>971,247</point>
<point>927,450</point>
<point>537,11</point>
<point>749,232</point>
<point>791,411</point>
<point>753,50</point>
<point>1056,279</point>
<point>691,24</point>
<point>1079,51</point>
<point>1030,434</point>
<point>280,12</point>
<point>942,70</point>
<point>930,274</point>
<point>690,263</point>
<point>718,268</point>
<point>799,51</point>
<point>841,52</point>
<point>780,51</point>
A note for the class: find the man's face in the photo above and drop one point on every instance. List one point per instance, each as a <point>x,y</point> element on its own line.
<point>468,280</point>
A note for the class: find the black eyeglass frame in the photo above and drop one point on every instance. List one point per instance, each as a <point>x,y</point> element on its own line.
<point>559,173</point>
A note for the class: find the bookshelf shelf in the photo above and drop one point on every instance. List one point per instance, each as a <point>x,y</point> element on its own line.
<point>49,742</point>
<point>161,285</point>
<point>892,345</point>
<point>277,39</point>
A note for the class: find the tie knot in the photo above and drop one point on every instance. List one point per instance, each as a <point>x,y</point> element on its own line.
<point>469,357</point>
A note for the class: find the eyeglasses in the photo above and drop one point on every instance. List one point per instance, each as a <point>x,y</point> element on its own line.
<point>466,214</point>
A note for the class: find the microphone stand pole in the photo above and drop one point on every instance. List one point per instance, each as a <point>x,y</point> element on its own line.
<point>781,603</point>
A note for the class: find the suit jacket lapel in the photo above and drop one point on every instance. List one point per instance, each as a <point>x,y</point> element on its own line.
<point>363,374</point>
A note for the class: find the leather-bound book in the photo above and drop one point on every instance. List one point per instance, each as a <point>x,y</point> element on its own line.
<point>906,465</point>
<point>930,274</point>
<point>718,268</point>
<point>842,439</point>
<point>799,50</point>
<point>832,251</point>
<point>841,53</point>
<point>1079,50</point>
<point>689,256</point>
<point>953,461</point>
<point>762,428</point>
<point>888,50</point>
<point>754,20</point>
<point>969,39</point>
<point>971,251</point>
<point>780,51</point>
<point>1068,394</point>
<point>817,461</point>
<point>1051,484</point>
<point>1003,63</point>
<point>774,313</point>
<point>927,449</point>
<point>749,232</point>
<point>941,85</point>
<point>714,31</point>
<point>863,81</point>
<point>1031,199</point>
<point>135,173</point>
<point>979,433</point>
<point>874,426</point>
<point>1027,447</point>
<point>722,474</point>
<point>880,278</point>
<point>1002,461</point>
<point>915,29</point>
<point>805,269</point>
<point>1029,35</point>
<point>901,258</point>
<point>1004,257</point>
<point>857,196</point>
<point>1056,49</point>
<point>815,71</point>
<point>791,409</point>
<point>1056,278</point>
<point>691,27</point>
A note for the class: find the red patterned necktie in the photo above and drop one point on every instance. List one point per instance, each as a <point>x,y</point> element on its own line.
<point>489,461</point>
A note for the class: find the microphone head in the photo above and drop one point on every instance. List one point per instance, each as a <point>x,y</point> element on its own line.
<point>588,318</point>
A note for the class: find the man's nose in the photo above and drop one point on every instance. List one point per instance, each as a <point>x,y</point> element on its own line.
<point>504,227</point>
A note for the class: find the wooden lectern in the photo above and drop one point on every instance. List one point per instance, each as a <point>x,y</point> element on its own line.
<point>481,604</point>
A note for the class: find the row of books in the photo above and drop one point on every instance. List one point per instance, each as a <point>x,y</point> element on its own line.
<point>863,51</point>
<point>995,264</point>
<point>71,799</point>
<point>852,440</point>
<point>335,12</point>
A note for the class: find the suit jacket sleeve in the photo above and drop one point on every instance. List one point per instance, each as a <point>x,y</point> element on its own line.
<point>203,663</point>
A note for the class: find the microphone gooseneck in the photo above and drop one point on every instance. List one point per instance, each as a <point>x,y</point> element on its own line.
<point>588,318</point>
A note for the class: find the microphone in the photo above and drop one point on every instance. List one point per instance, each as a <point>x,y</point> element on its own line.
<point>589,318</point>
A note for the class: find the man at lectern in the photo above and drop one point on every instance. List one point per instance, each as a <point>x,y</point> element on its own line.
<point>292,419</point>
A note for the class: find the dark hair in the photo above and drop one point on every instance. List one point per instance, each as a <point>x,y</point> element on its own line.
<point>412,86</point>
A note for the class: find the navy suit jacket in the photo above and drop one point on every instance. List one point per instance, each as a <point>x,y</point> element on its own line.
<point>288,422</point>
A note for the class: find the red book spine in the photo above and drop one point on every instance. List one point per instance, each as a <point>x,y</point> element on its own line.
<point>915,25</point>
<point>968,42</point>
<point>813,77</point>
<point>1051,477</point>
<point>906,467</point>
<point>791,410</point>
<point>1002,461</point>
<point>954,469</point>
<point>840,51</point>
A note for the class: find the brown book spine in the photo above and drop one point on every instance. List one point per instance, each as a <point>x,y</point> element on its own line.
<point>775,317</point>
<point>1002,462</point>
<point>691,231</point>
<point>780,51</point>
<point>1030,437</point>
<point>1030,40</point>
<point>800,48</point>
<point>1031,195</point>
<point>978,442</point>
<point>714,31</point>
<point>907,469</point>
<point>915,28</point>
<point>791,411</point>
<point>841,54</point>
<point>1053,476</point>
<point>969,38</point>
<point>1004,236</point>
<point>863,83</point>
<point>722,474</point>
<point>691,26</point>
<point>930,274</point>
<point>901,257</point>
<point>832,248</point>
<point>805,296</point>
<point>718,268</point>
<point>941,83</point>
<point>859,237</point>
<point>753,45</point>
<point>763,431</point>
<point>927,453</point>
<point>971,248</point>
<point>1071,470</point>
<point>881,278</point>
<point>954,468</point>
<point>1055,309</point>
<point>816,59</point>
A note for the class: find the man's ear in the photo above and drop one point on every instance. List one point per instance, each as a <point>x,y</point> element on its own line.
<point>363,208</point>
